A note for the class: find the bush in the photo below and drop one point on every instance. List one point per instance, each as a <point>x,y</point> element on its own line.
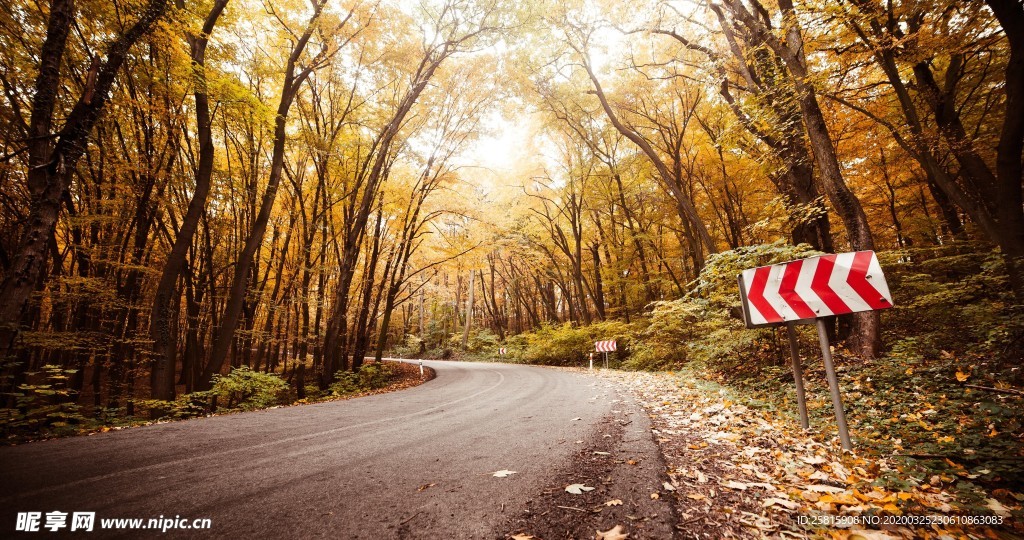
<point>702,326</point>
<point>482,341</point>
<point>436,333</point>
<point>517,346</point>
<point>569,345</point>
<point>960,286</point>
<point>45,406</point>
<point>369,377</point>
<point>246,390</point>
<point>411,347</point>
<point>556,345</point>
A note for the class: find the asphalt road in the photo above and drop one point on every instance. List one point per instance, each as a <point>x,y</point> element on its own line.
<point>415,463</point>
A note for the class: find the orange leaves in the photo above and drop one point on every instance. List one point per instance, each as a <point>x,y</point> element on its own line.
<point>763,461</point>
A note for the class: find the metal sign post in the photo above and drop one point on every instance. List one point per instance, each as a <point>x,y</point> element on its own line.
<point>798,375</point>
<point>833,385</point>
<point>805,291</point>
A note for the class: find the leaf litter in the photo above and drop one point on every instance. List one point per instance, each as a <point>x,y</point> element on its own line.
<point>620,494</point>
<point>747,472</point>
<point>615,533</point>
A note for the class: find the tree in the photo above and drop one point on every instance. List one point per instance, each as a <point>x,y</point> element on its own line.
<point>756,28</point>
<point>294,77</point>
<point>54,154</point>
<point>164,312</point>
<point>991,195</point>
<point>670,177</point>
<point>458,26</point>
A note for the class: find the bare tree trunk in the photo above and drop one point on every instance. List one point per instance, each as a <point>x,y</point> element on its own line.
<point>469,312</point>
<point>164,312</point>
<point>51,168</point>
<point>240,282</point>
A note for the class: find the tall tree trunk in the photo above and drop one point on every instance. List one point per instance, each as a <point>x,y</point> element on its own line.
<point>1010,151</point>
<point>50,170</point>
<point>994,200</point>
<point>469,312</point>
<point>867,329</point>
<point>598,283</point>
<point>789,48</point>
<point>376,165</point>
<point>240,281</point>
<point>684,204</point>
<point>164,312</point>
<point>363,321</point>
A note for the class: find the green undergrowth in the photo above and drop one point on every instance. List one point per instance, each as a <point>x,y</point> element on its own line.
<point>945,395</point>
<point>45,409</point>
<point>935,428</point>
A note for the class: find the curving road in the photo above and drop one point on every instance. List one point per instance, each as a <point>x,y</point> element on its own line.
<point>414,463</point>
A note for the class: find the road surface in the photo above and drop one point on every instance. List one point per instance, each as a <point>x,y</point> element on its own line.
<point>416,463</point>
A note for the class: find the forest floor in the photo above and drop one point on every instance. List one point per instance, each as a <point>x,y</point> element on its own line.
<point>613,484</point>
<point>745,471</point>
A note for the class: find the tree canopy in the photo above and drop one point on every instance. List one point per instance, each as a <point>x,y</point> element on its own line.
<point>294,186</point>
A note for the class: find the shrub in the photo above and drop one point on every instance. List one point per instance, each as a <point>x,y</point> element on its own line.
<point>436,332</point>
<point>702,326</point>
<point>482,341</point>
<point>245,390</point>
<point>411,347</point>
<point>369,377</point>
<point>516,346</point>
<point>569,345</point>
<point>45,405</point>
<point>960,286</point>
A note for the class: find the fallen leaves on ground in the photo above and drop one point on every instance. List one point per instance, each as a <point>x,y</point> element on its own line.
<point>578,489</point>
<point>503,473</point>
<point>522,537</point>
<point>750,472</point>
<point>615,533</point>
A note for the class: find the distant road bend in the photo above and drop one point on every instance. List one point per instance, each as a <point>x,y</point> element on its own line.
<point>413,463</point>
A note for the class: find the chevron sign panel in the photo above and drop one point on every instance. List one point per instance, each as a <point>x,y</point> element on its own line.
<point>812,288</point>
<point>604,346</point>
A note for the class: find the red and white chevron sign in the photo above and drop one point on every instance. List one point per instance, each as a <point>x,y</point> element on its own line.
<point>812,288</point>
<point>604,346</point>
<point>502,351</point>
